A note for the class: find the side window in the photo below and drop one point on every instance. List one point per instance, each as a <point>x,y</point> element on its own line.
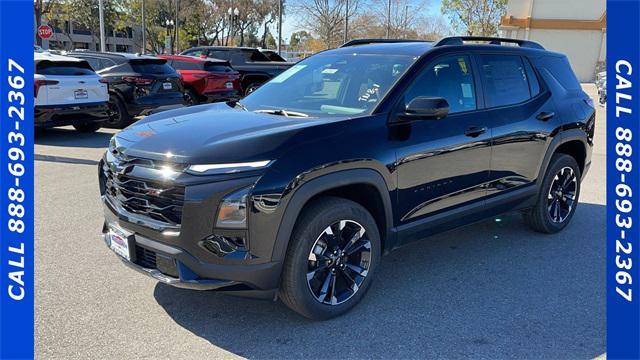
<point>505,80</point>
<point>219,54</point>
<point>450,78</point>
<point>196,52</point>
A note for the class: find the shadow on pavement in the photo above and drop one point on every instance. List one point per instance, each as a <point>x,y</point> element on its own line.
<point>71,138</point>
<point>64,159</point>
<point>490,290</point>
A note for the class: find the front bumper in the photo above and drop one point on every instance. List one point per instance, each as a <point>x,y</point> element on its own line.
<point>178,267</point>
<point>62,115</point>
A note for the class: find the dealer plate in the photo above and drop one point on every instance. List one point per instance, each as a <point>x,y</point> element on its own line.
<point>81,94</point>
<point>167,86</point>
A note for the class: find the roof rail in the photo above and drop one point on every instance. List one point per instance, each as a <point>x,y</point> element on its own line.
<point>377,41</point>
<point>459,40</point>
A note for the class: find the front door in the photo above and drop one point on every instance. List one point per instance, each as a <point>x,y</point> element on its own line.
<point>442,164</point>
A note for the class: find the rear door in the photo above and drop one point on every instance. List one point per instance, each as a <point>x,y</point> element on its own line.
<point>522,117</point>
<point>72,82</point>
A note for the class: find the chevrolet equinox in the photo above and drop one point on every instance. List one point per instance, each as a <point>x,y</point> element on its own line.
<point>297,190</point>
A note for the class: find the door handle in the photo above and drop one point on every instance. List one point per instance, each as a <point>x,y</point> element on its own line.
<point>544,116</point>
<point>475,131</point>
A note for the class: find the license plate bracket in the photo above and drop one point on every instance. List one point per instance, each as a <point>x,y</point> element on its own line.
<point>120,241</point>
<point>81,94</point>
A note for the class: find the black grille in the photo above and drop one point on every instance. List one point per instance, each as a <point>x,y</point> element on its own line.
<point>145,257</point>
<point>151,260</point>
<point>157,200</point>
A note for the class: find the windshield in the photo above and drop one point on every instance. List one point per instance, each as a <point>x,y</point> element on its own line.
<point>331,85</point>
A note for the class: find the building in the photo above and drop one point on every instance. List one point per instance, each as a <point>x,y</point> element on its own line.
<point>577,28</point>
<point>69,37</point>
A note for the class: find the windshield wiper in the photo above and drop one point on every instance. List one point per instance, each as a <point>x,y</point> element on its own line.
<point>283,112</point>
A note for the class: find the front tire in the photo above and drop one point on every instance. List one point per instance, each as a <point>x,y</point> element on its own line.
<point>331,259</point>
<point>558,197</point>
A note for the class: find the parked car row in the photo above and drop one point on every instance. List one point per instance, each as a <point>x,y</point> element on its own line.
<point>134,84</point>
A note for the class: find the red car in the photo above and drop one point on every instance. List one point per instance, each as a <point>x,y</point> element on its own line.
<point>206,79</point>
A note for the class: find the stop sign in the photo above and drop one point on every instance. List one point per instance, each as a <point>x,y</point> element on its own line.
<point>45,31</point>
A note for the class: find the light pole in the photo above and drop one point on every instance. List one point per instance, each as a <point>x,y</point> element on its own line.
<point>167,40</point>
<point>103,45</point>
<point>279,27</point>
<point>144,30</point>
<point>389,20</point>
<point>175,30</point>
<point>346,22</point>
<point>233,15</point>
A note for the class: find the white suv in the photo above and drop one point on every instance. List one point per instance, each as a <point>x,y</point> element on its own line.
<point>68,92</point>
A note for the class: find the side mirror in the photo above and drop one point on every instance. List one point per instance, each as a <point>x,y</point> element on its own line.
<point>427,107</point>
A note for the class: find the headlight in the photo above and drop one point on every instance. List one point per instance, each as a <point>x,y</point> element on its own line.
<point>209,169</point>
<point>232,212</point>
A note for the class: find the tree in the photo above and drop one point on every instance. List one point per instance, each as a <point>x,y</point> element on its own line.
<point>325,18</point>
<point>83,14</point>
<point>298,37</point>
<point>475,17</point>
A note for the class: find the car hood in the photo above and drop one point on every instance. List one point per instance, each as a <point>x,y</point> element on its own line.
<point>214,133</point>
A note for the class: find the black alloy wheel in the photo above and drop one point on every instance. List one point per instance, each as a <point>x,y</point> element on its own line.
<point>339,262</point>
<point>251,88</point>
<point>331,258</point>
<point>562,194</point>
<point>558,196</point>
<point>118,117</point>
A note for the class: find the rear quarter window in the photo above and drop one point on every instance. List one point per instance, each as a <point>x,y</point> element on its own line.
<point>505,80</point>
<point>560,69</point>
<point>155,67</point>
<point>64,68</point>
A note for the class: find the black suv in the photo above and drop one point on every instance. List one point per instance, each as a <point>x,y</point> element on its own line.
<point>137,83</point>
<point>297,190</point>
<point>255,68</point>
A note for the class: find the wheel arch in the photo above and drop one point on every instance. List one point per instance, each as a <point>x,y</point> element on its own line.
<point>359,185</point>
<point>250,78</point>
<point>572,142</point>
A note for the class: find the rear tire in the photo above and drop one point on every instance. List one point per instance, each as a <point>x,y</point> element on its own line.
<point>251,88</point>
<point>87,128</point>
<point>327,272</point>
<point>191,98</point>
<point>558,196</point>
<point>119,117</point>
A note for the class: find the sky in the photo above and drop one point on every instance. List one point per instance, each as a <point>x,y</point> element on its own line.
<point>290,25</point>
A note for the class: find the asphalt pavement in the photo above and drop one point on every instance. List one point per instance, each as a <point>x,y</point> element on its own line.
<point>490,290</point>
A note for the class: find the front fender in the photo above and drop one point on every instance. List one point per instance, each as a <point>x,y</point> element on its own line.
<point>307,190</point>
